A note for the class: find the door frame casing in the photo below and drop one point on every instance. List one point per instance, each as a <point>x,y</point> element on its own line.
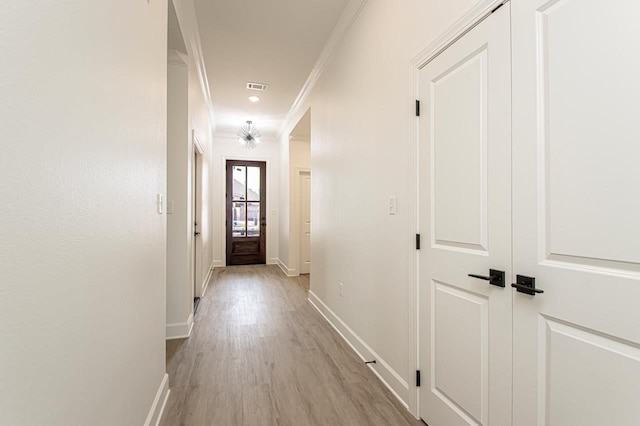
<point>271,219</point>
<point>198,155</point>
<point>462,26</point>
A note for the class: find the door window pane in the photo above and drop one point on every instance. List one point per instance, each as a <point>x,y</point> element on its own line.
<point>239,182</point>
<point>253,219</point>
<point>253,183</point>
<point>238,215</point>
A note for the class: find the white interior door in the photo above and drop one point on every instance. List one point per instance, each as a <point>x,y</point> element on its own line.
<point>576,146</point>
<point>305,223</point>
<point>465,215</point>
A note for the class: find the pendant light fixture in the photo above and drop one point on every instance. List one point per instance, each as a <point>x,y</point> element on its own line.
<point>249,136</point>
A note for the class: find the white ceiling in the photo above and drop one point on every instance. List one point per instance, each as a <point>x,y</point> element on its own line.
<point>174,36</point>
<point>265,41</point>
<point>302,131</point>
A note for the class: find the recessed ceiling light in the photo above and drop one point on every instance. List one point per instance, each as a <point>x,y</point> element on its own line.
<point>254,98</point>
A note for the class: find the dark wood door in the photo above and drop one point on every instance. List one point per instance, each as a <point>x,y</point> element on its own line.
<point>246,212</point>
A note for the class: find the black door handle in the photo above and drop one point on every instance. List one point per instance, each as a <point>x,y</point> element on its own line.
<point>196,234</point>
<point>526,285</point>
<point>495,277</point>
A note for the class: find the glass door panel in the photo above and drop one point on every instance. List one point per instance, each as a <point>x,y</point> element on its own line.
<point>253,219</point>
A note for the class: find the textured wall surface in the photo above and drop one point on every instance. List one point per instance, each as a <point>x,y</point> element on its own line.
<point>82,252</point>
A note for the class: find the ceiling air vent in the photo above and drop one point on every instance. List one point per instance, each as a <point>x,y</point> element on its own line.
<point>257,86</point>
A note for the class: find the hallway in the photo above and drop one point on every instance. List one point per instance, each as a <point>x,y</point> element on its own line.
<point>260,354</point>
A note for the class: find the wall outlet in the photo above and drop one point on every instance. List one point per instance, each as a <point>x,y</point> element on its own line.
<point>341,289</point>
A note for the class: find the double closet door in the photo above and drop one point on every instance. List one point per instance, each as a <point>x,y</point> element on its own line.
<point>529,151</point>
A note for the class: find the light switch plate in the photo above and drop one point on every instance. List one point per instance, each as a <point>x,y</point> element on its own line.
<point>159,203</point>
<point>392,205</point>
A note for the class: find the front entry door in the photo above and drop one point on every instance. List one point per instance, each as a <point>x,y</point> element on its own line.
<point>576,220</point>
<point>246,212</point>
<point>465,216</point>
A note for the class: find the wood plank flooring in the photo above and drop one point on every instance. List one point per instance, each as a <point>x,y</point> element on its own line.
<point>260,354</point>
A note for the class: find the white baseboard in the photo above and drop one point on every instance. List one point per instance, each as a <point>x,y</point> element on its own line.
<point>273,261</point>
<point>180,330</point>
<point>287,271</point>
<point>159,402</point>
<point>218,264</point>
<point>387,375</point>
<point>205,283</point>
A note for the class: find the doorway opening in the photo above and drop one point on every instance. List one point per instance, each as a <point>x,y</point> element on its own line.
<point>246,217</point>
<point>300,196</point>
<point>196,219</point>
<point>179,244</point>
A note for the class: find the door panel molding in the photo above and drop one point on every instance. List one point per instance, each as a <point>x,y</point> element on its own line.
<point>575,221</point>
<point>466,22</point>
<point>465,195</point>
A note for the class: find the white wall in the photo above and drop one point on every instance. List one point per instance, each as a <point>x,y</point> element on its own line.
<point>199,119</point>
<point>299,158</point>
<point>227,148</point>
<point>179,223</point>
<point>283,175</point>
<point>82,258</point>
<point>362,153</point>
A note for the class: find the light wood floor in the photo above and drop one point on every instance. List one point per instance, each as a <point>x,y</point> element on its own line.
<point>260,354</point>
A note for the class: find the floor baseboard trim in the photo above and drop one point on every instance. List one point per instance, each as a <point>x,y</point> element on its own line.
<point>205,283</point>
<point>159,403</point>
<point>387,375</point>
<point>287,271</point>
<point>180,330</point>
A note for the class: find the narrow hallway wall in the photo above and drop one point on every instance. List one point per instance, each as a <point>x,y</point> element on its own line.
<point>200,120</point>
<point>82,258</point>
<point>362,154</point>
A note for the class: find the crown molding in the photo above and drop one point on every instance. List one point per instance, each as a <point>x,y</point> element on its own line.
<point>300,139</point>
<point>466,23</point>
<point>225,135</point>
<point>175,57</point>
<point>186,13</point>
<point>344,24</point>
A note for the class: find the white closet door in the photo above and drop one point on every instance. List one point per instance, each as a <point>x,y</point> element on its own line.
<point>465,216</point>
<point>576,150</point>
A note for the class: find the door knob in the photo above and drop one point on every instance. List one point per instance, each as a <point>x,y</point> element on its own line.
<point>495,277</point>
<point>526,285</point>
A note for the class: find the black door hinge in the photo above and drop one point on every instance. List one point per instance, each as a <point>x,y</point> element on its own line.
<point>417,108</point>
<point>417,241</point>
<point>418,378</point>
